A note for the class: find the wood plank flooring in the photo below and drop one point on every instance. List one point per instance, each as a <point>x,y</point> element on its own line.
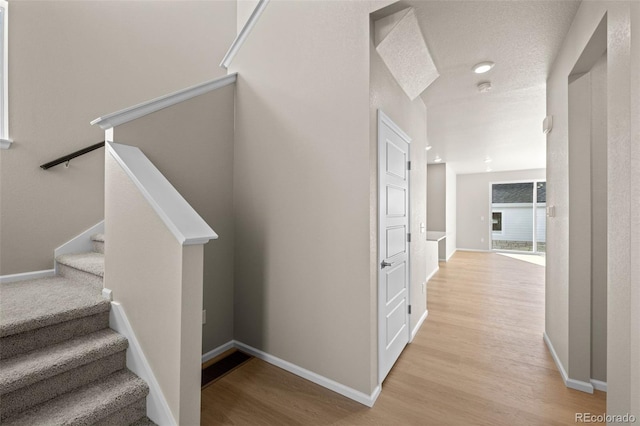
<point>479,359</point>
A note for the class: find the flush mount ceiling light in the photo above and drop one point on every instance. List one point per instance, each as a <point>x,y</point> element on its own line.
<point>484,86</point>
<point>428,147</point>
<point>483,67</point>
<point>437,159</point>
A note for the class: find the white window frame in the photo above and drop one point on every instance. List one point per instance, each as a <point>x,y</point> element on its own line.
<point>5,141</point>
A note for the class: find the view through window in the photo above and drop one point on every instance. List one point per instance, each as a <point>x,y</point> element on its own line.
<point>518,216</point>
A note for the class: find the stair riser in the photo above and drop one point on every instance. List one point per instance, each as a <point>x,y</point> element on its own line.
<point>35,339</point>
<point>98,246</point>
<point>126,415</point>
<point>95,402</point>
<point>52,387</point>
<point>81,276</point>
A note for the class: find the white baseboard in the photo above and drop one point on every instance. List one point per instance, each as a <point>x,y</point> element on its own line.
<point>27,276</point>
<point>157,408</point>
<point>419,324</point>
<point>474,250</point>
<point>570,383</point>
<point>432,273</point>
<point>599,385</point>
<point>80,243</point>
<point>218,351</point>
<point>452,253</point>
<point>325,382</point>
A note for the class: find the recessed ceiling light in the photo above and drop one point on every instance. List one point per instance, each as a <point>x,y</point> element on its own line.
<point>437,159</point>
<point>488,160</point>
<point>489,169</point>
<point>483,67</point>
<point>484,86</point>
<point>428,147</point>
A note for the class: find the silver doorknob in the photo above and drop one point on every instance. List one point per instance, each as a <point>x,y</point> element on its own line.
<point>384,264</point>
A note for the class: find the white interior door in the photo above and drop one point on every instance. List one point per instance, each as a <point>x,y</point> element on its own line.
<point>393,237</point>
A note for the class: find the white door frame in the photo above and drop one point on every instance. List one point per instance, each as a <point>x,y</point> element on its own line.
<point>383,118</point>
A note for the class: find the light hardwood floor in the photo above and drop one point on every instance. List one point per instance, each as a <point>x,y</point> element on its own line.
<point>479,359</point>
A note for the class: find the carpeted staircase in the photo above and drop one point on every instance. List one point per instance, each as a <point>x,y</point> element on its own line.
<point>60,363</point>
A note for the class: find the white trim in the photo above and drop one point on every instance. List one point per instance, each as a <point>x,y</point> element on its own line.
<point>217,351</point>
<point>451,255</point>
<point>579,385</point>
<point>325,382</point>
<point>243,34</point>
<point>27,276</point>
<point>556,359</point>
<point>5,142</point>
<point>599,385</point>
<point>182,220</point>
<point>157,407</point>
<point>148,107</point>
<point>570,383</point>
<point>435,271</point>
<point>79,244</point>
<point>419,324</point>
<point>474,250</point>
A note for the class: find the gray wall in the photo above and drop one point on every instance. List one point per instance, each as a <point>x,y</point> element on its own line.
<point>436,197</point>
<point>599,205</point>
<point>70,62</point>
<point>192,145</point>
<point>441,206</point>
<point>411,116</point>
<point>302,181</point>
<point>474,205</point>
<point>623,293</point>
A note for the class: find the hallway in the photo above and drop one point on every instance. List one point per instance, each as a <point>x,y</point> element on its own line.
<point>479,359</point>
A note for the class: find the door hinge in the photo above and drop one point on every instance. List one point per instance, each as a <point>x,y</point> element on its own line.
<point>409,309</point>
<point>409,237</point>
<point>408,165</point>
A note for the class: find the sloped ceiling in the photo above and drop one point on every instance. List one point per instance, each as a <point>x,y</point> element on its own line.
<point>505,124</point>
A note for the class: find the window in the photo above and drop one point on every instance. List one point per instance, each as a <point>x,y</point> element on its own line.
<point>4,85</point>
<point>496,220</point>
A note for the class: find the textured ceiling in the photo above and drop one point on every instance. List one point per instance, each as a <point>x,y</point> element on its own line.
<point>405,53</point>
<point>505,124</point>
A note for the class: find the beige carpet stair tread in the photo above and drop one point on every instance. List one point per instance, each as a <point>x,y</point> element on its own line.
<point>29,368</point>
<point>145,421</point>
<point>92,262</point>
<point>86,405</point>
<point>32,304</point>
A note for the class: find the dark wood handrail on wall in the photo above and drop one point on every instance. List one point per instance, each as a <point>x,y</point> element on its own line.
<point>69,157</point>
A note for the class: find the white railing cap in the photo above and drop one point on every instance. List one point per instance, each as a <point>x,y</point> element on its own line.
<point>128,114</point>
<point>182,220</point>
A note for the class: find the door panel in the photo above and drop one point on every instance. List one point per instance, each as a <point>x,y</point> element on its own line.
<point>395,280</point>
<point>396,241</point>
<point>393,250</point>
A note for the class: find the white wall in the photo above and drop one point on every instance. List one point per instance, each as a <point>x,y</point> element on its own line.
<point>474,205</point>
<point>623,327</point>
<point>69,63</point>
